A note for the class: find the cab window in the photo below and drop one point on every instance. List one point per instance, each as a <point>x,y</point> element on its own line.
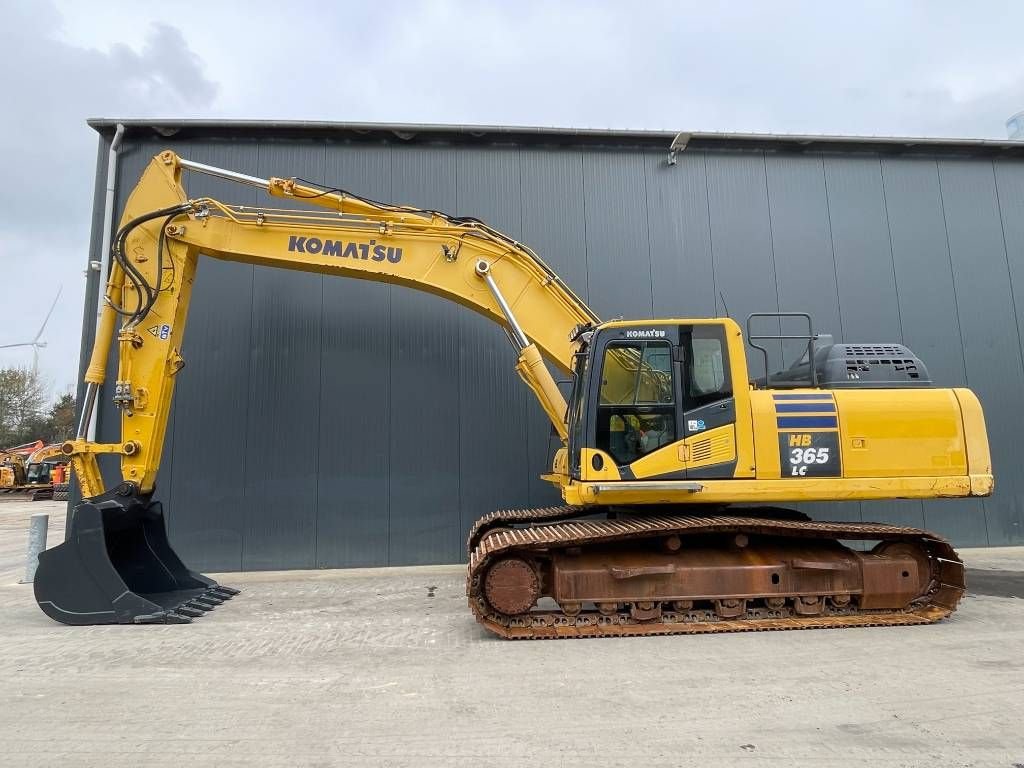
<point>636,407</point>
<point>706,366</point>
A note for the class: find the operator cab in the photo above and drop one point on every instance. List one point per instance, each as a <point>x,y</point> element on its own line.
<point>39,472</point>
<point>660,399</point>
<point>638,389</point>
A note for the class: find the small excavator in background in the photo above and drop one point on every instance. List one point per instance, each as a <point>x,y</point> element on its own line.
<point>46,473</point>
<point>36,470</point>
<point>674,462</point>
<point>12,471</point>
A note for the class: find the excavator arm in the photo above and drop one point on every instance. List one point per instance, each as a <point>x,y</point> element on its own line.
<point>154,264</point>
<point>46,452</point>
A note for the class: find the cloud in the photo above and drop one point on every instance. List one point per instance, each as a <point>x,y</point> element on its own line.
<point>50,158</point>
<point>165,71</point>
<point>917,68</point>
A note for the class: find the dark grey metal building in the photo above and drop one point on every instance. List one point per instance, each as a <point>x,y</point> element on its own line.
<point>328,423</point>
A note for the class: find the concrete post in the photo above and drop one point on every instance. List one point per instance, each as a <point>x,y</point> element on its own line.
<point>38,526</point>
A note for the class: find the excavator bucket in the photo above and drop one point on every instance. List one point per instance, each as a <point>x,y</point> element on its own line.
<point>116,566</point>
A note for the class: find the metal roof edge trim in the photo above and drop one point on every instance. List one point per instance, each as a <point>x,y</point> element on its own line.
<point>672,141</point>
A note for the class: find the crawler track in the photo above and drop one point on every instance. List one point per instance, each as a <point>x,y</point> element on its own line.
<point>30,492</point>
<point>560,532</point>
<point>503,518</point>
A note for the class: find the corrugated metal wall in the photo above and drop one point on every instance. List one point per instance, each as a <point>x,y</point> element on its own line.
<point>328,423</point>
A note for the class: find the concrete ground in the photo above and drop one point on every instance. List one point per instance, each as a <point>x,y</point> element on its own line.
<point>387,668</point>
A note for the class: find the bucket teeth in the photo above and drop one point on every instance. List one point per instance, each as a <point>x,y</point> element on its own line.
<point>195,605</point>
<point>177,616</point>
<point>225,592</point>
<point>210,597</point>
<point>204,602</point>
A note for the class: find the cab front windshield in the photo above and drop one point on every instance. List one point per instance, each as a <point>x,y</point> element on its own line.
<point>578,408</point>
<point>636,410</point>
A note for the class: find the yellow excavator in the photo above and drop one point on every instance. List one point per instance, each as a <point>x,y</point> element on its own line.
<point>46,473</point>
<point>12,471</point>
<point>674,459</point>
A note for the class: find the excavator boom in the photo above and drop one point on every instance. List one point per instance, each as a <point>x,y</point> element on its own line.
<point>460,259</point>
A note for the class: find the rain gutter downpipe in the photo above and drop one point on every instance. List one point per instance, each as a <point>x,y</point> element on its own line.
<point>87,424</point>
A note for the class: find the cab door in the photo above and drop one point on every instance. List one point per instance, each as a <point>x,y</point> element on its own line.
<point>633,417</point>
<point>708,406</point>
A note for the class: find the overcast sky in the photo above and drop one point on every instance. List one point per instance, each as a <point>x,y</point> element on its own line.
<point>886,68</point>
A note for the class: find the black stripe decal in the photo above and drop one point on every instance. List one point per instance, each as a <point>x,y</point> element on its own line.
<point>805,408</point>
<point>807,422</point>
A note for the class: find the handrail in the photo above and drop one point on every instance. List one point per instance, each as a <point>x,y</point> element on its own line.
<point>809,337</point>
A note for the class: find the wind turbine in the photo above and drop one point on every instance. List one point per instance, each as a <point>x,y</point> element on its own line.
<point>36,344</point>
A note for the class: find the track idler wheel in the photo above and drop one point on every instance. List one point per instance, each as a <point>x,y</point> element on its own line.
<point>912,551</point>
<point>512,586</point>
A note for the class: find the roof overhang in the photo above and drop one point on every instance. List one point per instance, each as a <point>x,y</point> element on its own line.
<point>672,142</point>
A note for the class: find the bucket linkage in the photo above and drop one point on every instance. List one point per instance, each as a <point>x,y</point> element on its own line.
<point>116,566</point>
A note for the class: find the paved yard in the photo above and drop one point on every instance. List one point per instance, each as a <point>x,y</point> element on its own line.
<point>387,668</point>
